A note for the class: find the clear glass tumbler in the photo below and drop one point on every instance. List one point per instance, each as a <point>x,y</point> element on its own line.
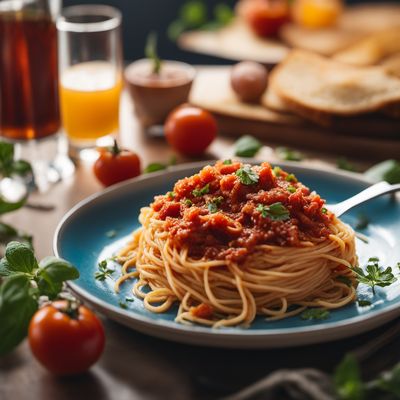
<point>91,63</point>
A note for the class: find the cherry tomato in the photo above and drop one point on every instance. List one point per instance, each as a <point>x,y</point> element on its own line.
<point>190,130</point>
<point>116,165</point>
<point>265,17</point>
<point>66,340</point>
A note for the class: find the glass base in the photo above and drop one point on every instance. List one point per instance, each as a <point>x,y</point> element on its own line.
<point>49,160</point>
<point>86,150</point>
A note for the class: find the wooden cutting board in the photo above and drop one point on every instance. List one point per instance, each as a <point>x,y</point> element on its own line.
<point>373,136</point>
<point>237,42</point>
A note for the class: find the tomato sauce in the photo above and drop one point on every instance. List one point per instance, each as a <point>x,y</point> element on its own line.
<point>226,210</point>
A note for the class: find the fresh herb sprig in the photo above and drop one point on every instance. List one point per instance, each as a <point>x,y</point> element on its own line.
<point>247,176</point>
<point>151,52</point>
<point>276,211</point>
<point>103,272</point>
<point>375,276</point>
<point>315,314</point>
<point>24,280</point>
<point>247,146</point>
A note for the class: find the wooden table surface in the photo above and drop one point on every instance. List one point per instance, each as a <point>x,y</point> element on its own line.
<point>135,366</point>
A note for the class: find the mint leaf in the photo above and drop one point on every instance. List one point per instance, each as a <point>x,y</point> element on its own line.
<point>247,146</point>
<point>20,257</point>
<point>17,307</point>
<point>347,380</point>
<point>247,176</point>
<point>276,211</point>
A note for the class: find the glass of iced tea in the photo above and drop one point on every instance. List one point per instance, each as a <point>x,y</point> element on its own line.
<point>90,61</point>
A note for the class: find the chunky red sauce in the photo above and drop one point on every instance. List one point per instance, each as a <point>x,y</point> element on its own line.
<point>226,210</point>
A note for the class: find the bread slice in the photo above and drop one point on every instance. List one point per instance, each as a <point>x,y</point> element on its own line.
<point>319,89</point>
<point>371,50</point>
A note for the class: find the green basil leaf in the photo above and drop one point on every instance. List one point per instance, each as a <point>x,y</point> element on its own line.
<point>247,146</point>
<point>57,269</point>
<point>347,380</point>
<point>5,269</point>
<point>17,307</point>
<point>6,158</point>
<point>20,257</point>
<point>154,167</point>
<point>7,232</point>
<point>6,207</point>
<point>21,167</point>
<point>48,287</point>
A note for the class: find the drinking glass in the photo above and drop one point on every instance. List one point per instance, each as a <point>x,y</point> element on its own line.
<point>90,63</point>
<point>29,102</point>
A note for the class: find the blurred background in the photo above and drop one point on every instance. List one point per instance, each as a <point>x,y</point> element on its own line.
<point>141,17</point>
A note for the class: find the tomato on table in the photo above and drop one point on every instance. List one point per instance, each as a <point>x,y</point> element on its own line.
<point>265,17</point>
<point>190,130</point>
<point>116,165</point>
<point>66,339</point>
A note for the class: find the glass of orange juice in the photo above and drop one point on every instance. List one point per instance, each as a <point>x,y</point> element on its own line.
<point>90,55</point>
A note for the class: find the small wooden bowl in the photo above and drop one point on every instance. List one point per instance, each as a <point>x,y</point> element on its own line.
<point>155,96</point>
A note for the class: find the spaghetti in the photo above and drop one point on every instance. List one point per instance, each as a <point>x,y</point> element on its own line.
<point>266,247</point>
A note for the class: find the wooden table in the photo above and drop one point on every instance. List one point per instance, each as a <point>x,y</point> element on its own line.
<point>135,366</point>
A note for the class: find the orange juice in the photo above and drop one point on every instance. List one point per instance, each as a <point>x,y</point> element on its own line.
<point>89,95</point>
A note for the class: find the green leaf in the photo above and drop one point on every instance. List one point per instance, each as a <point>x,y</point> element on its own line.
<point>154,167</point>
<point>346,165</point>
<point>315,314</point>
<point>223,14</point>
<point>389,382</point>
<point>291,189</point>
<point>289,154</point>
<point>151,52</point>
<point>5,269</point>
<point>193,14</point>
<point>6,158</point>
<point>344,279</point>
<point>175,29</point>
<point>364,303</point>
<point>200,192</point>
<point>6,207</point>
<point>214,204</point>
<point>57,269</point>
<point>276,211</point>
<point>247,146</point>
<point>247,176</point>
<point>227,162</point>
<point>47,287</point>
<point>17,307</point>
<point>291,178</point>
<point>20,257</point>
<point>388,170</point>
<point>188,202</point>
<point>21,167</point>
<point>347,380</point>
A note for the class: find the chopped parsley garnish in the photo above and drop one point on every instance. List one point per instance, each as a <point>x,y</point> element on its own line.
<point>103,272</point>
<point>200,192</point>
<point>315,314</point>
<point>376,275</point>
<point>247,176</point>
<point>362,222</point>
<point>289,154</point>
<point>123,305</point>
<point>171,195</point>
<point>227,162</point>
<point>291,189</point>
<point>276,211</point>
<point>291,178</point>
<point>344,279</point>
<point>364,303</point>
<point>111,234</point>
<point>188,202</point>
<point>214,204</point>
<point>324,210</point>
<point>247,146</point>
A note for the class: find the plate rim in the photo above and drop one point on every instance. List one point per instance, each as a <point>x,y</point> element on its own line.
<point>232,337</point>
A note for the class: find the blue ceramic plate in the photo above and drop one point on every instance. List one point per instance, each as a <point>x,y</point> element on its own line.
<point>101,224</point>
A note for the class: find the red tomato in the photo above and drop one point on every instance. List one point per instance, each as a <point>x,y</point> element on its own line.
<point>116,165</point>
<point>190,130</point>
<point>65,343</point>
<point>265,17</point>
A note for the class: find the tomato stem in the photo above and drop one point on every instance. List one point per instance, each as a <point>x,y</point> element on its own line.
<point>115,149</point>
